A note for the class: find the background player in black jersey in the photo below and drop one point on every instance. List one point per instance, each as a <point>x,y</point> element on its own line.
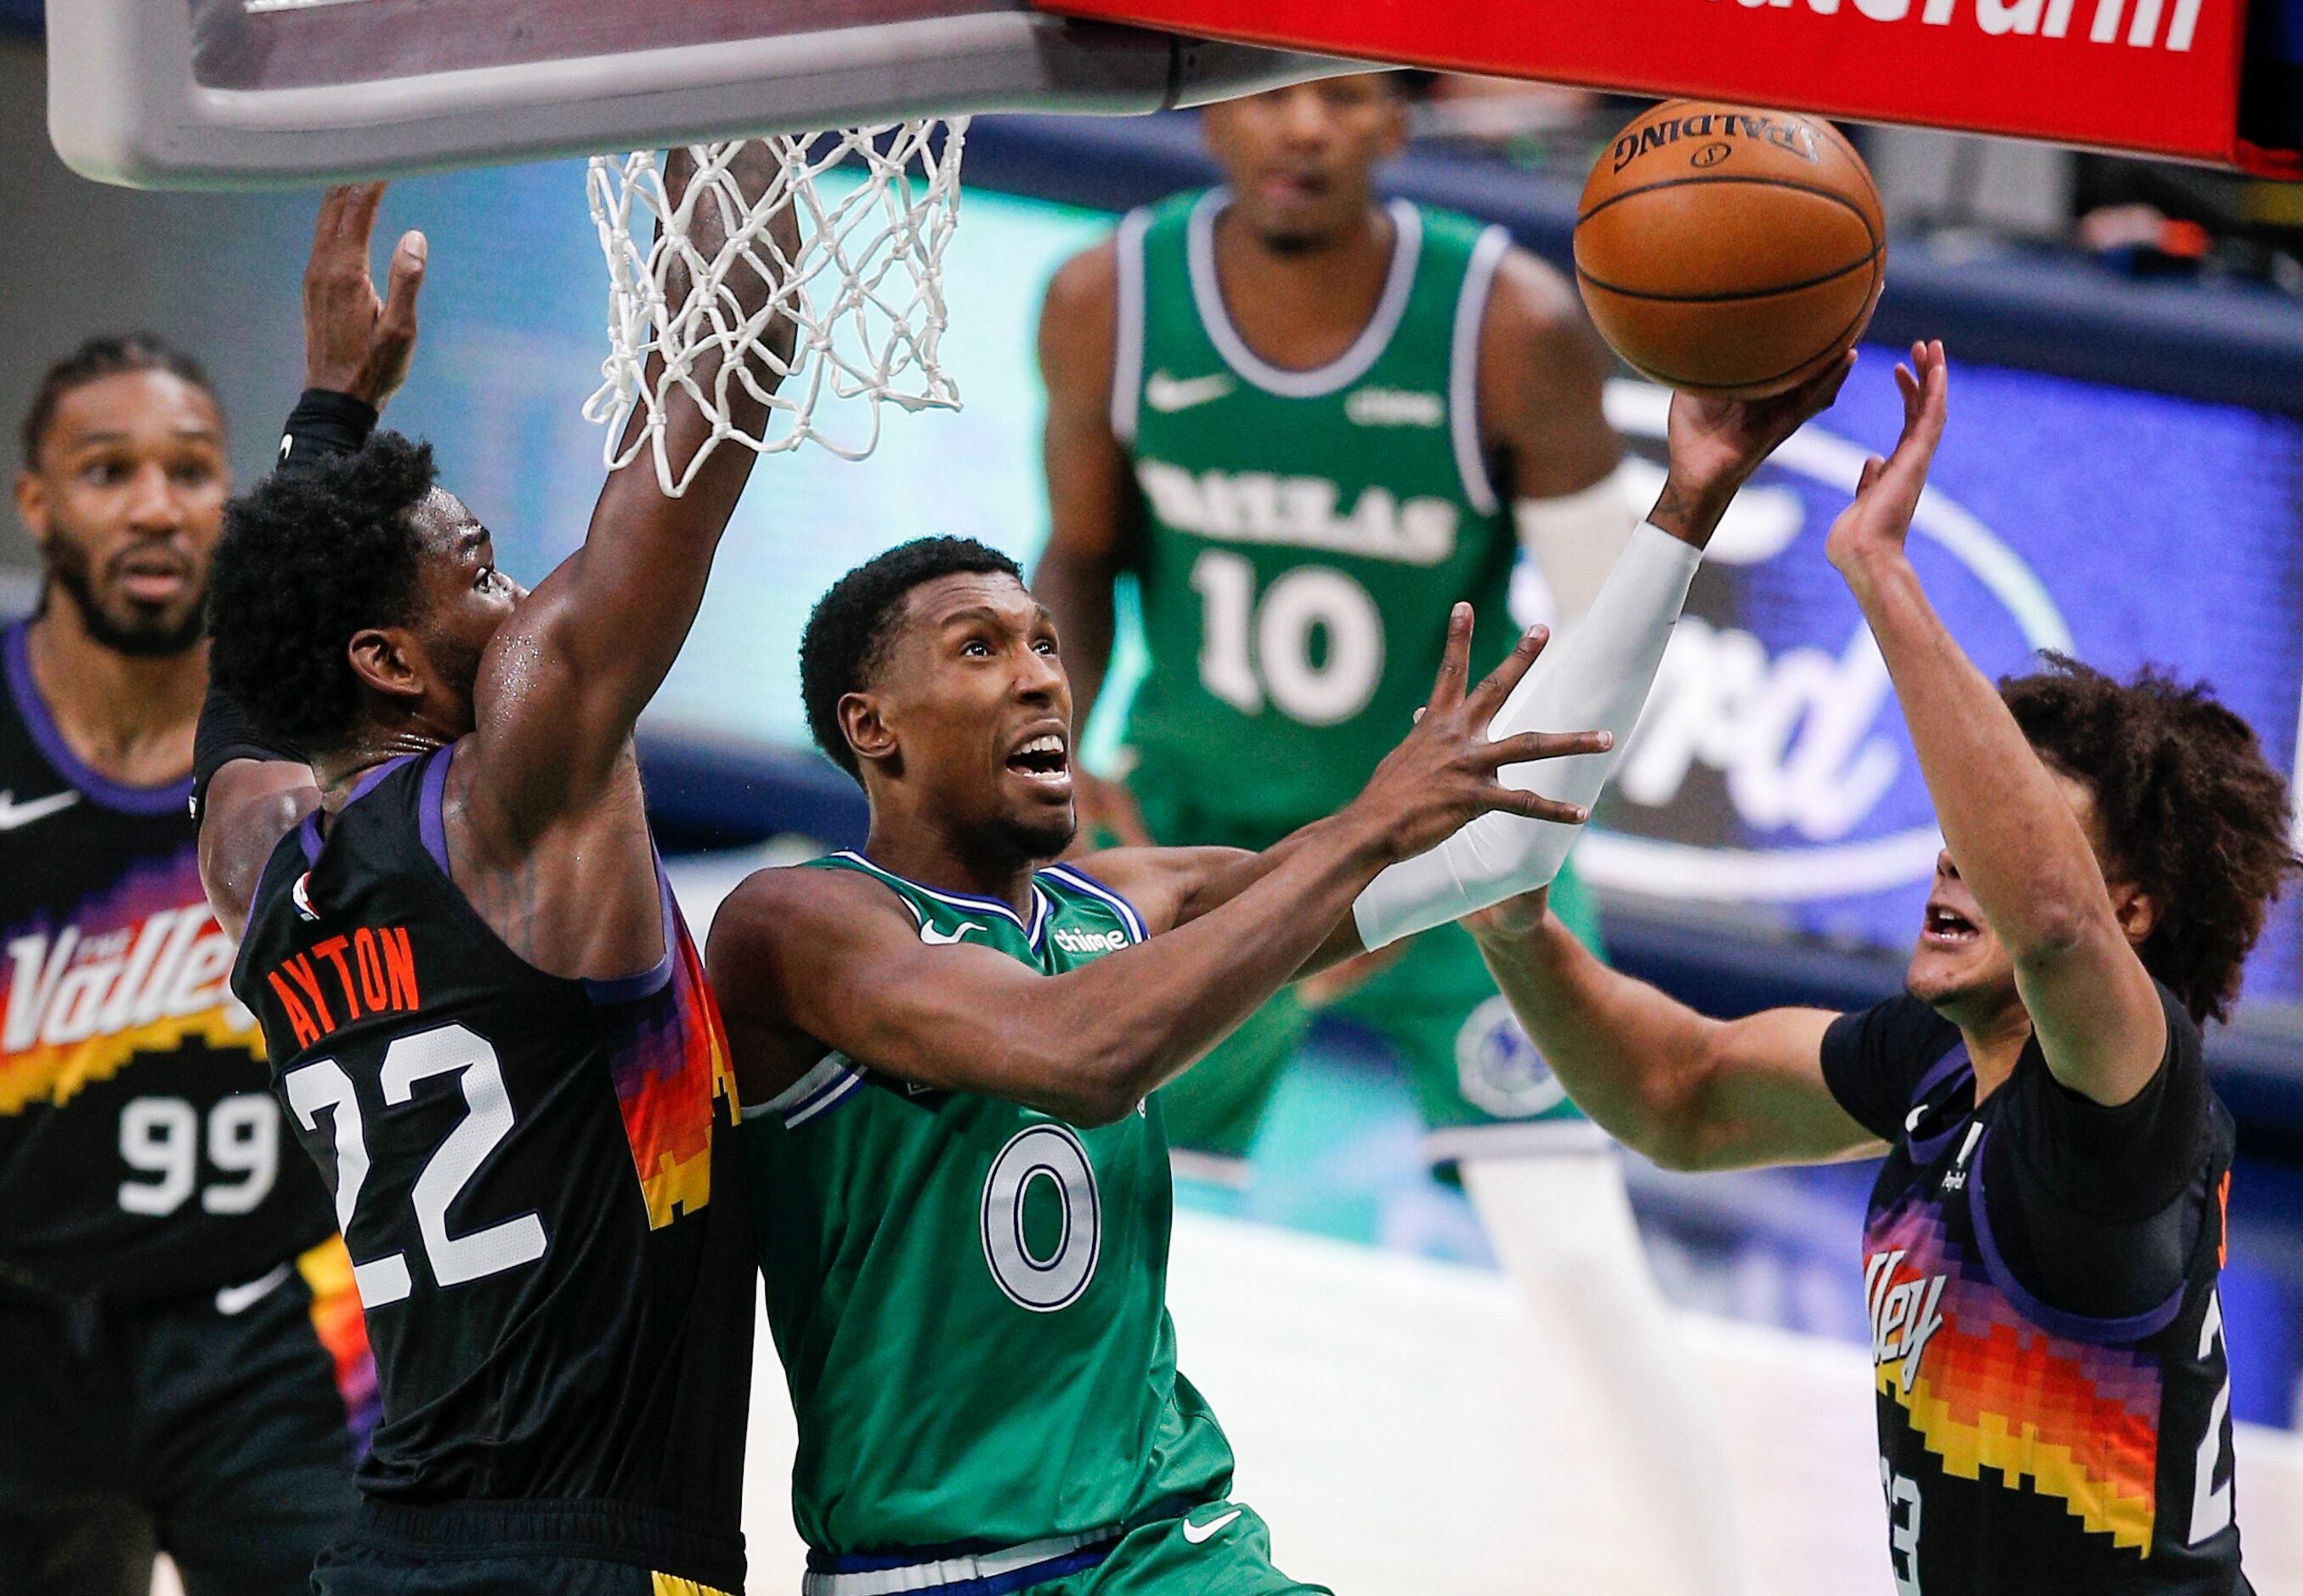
<point>2042,1247</point>
<point>483,1010</point>
<point>181,1360</point>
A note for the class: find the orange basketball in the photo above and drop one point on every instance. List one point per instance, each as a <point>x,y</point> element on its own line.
<point>1729,251</point>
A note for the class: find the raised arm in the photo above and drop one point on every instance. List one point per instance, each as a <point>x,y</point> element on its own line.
<point>564,680</point>
<point>358,344</point>
<point>1092,505</point>
<point>2009,827</point>
<point>796,957</point>
<point>1541,374</point>
<point>1683,1090</point>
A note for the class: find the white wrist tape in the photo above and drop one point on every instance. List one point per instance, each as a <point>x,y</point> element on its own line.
<point>1596,679</point>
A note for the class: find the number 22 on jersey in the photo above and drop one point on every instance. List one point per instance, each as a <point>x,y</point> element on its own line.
<point>322,1086</point>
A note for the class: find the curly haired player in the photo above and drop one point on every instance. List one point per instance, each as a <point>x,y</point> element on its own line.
<point>481,1007</point>
<point>2044,1242</point>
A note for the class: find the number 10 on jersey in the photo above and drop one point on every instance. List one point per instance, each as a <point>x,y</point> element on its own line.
<point>1256,650</point>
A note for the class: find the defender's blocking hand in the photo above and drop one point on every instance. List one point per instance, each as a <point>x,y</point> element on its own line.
<point>1887,495</point>
<point>356,343</point>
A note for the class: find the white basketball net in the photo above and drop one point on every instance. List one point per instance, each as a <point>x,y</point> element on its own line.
<point>865,292</point>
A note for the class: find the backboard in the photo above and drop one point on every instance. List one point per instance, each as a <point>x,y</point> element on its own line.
<point>252,93</point>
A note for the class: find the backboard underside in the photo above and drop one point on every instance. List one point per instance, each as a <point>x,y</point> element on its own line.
<point>263,93</point>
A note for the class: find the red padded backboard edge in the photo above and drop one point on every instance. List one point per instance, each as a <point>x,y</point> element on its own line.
<point>2150,76</point>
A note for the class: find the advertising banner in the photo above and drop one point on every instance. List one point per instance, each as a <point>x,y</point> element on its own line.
<point>2161,76</point>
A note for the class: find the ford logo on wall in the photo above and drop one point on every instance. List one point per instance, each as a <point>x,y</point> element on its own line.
<point>1771,764</point>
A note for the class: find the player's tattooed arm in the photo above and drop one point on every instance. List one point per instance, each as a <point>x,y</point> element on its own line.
<point>2013,829</point>
<point>1717,443</point>
<point>1684,1091</point>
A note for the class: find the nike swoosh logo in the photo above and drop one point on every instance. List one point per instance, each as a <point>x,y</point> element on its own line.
<point>944,939</point>
<point>239,1299</point>
<point>1168,394</point>
<point>1912,1121</point>
<point>13,813</point>
<point>1197,1532</point>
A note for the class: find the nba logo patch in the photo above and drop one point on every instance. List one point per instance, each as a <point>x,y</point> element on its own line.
<point>1497,1067</point>
<point>301,896</point>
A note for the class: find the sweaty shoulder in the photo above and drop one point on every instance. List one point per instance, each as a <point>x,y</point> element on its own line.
<point>1874,1058</point>
<point>771,907</point>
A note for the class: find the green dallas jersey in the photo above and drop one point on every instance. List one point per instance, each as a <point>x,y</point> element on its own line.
<point>1306,532</point>
<point>969,1296</point>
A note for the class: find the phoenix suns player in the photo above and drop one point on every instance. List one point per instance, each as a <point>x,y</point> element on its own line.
<point>182,1364</point>
<point>1306,422</point>
<point>2043,1243</point>
<point>483,1014</point>
<point>945,1043</point>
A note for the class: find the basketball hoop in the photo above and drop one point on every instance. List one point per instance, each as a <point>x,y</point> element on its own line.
<point>864,290</point>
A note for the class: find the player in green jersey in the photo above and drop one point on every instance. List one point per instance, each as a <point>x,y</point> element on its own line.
<point>945,1043</point>
<point>1307,422</point>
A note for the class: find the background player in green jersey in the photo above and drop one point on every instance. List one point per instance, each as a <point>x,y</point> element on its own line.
<point>1307,422</point>
<point>945,1044</point>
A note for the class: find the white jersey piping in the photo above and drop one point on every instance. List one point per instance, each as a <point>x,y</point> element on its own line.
<point>1347,368</point>
<point>1128,331</point>
<point>1464,369</point>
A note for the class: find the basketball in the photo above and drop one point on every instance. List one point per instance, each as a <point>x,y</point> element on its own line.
<point>1729,251</point>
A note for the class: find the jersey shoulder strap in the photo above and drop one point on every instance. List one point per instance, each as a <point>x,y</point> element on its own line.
<point>1150,244</point>
<point>1455,279</point>
<point>945,916</point>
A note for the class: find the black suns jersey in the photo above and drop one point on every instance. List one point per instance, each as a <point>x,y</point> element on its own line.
<point>142,1155</point>
<point>2047,1342</point>
<point>533,1176</point>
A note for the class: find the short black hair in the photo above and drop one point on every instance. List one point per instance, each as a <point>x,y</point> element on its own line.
<point>109,355</point>
<point>2191,812</point>
<point>849,630</point>
<point>307,558</point>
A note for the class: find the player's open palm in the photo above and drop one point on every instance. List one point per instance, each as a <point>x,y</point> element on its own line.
<point>356,340</point>
<point>1887,494</point>
<point>1445,772</point>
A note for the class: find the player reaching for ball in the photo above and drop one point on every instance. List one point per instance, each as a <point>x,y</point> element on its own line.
<point>1307,422</point>
<point>482,1008</point>
<point>2043,1245</point>
<point>946,1044</point>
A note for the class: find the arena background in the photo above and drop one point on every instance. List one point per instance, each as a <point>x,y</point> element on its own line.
<point>2123,479</point>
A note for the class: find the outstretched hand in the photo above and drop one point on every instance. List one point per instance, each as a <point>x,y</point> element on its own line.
<point>355,342</point>
<point>1445,772</point>
<point>1887,494</point>
<point>1716,443</point>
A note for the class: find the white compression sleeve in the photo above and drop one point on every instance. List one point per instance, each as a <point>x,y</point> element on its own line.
<point>1597,680</point>
<point>1574,541</point>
